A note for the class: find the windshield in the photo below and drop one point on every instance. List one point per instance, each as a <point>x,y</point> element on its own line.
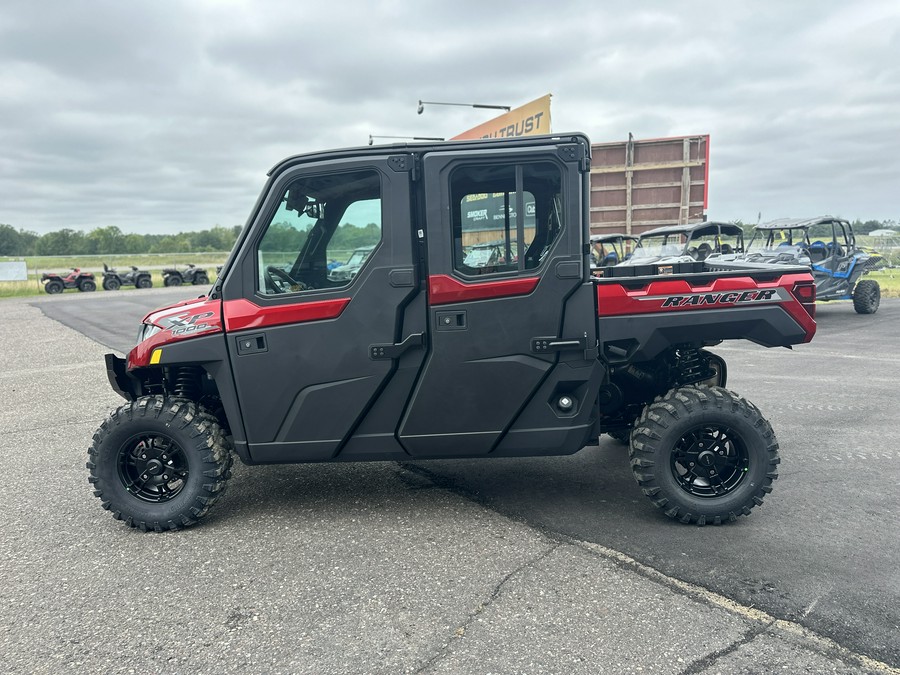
<point>479,257</point>
<point>660,246</point>
<point>772,240</point>
<point>358,256</point>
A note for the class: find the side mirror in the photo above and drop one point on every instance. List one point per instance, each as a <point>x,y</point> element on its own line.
<point>315,210</point>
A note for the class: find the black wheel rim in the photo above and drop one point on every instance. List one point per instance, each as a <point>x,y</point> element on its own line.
<point>153,467</point>
<point>710,461</point>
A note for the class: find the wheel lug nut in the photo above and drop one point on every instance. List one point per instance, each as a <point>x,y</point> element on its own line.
<point>143,456</point>
<point>165,476</point>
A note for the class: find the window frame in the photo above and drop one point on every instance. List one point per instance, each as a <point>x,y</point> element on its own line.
<point>519,168</point>
<point>281,188</point>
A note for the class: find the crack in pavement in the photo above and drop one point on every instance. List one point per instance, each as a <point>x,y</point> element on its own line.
<point>460,631</point>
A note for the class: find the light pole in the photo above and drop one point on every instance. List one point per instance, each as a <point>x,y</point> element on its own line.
<point>422,105</point>
<point>408,138</point>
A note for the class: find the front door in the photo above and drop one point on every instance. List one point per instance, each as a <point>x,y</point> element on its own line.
<point>511,314</point>
<point>324,288</point>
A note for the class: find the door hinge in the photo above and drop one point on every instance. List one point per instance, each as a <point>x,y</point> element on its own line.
<point>405,164</point>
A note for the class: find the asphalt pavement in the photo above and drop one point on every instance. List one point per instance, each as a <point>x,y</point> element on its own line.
<point>555,565</point>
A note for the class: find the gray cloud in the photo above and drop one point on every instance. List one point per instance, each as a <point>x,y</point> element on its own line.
<point>159,118</point>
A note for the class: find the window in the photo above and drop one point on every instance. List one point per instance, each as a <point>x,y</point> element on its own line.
<point>322,234</point>
<point>505,218</point>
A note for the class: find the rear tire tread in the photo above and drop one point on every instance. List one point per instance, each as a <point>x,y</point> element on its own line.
<point>650,433</point>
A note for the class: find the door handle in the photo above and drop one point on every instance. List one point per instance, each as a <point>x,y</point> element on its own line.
<point>542,345</point>
<point>549,345</point>
<point>397,349</point>
<point>251,344</point>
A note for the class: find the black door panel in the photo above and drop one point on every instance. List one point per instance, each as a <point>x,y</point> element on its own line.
<point>303,396</point>
<point>483,376</point>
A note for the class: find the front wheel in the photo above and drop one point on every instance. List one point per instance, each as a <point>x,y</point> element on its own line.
<point>159,463</point>
<point>866,296</point>
<point>201,280</point>
<point>87,286</point>
<point>144,282</point>
<point>704,455</point>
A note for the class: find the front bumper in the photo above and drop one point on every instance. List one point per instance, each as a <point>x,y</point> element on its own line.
<point>123,383</point>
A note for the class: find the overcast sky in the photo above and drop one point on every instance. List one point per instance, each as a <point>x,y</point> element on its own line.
<point>166,116</point>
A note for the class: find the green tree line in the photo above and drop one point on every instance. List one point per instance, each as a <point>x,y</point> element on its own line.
<point>111,240</point>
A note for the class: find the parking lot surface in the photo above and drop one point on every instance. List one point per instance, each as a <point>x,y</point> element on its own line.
<point>543,565</point>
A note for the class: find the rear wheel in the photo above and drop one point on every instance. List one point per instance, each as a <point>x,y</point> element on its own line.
<point>866,296</point>
<point>53,287</point>
<point>172,280</point>
<point>144,282</point>
<point>111,284</point>
<point>159,463</point>
<point>704,455</point>
<point>87,286</point>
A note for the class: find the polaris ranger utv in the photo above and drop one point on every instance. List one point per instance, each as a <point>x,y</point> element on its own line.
<point>421,355</point>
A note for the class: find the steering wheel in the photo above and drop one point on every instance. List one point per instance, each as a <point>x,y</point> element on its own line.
<point>288,282</point>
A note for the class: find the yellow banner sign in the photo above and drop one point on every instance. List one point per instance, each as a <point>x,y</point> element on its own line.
<point>530,119</point>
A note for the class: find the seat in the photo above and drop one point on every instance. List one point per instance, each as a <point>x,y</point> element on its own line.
<point>703,251</point>
<point>817,251</point>
<point>726,248</point>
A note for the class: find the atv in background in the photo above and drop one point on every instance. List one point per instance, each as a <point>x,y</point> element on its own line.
<point>347,271</point>
<point>56,283</point>
<point>197,276</point>
<point>610,249</point>
<point>687,243</point>
<point>114,280</point>
<point>827,245</point>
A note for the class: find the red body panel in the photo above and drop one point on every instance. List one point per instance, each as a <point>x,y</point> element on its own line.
<point>188,319</point>
<point>678,295</point>
<point>444,289</point>
<point>241,314</point>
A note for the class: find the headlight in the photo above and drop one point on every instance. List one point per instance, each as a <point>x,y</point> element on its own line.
<point>147,330</point>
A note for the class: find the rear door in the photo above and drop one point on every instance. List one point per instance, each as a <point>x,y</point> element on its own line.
<point>512,337</point>
<point>323,289</point>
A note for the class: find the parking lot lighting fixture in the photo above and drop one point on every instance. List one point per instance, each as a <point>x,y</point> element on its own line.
<point>422,105</point>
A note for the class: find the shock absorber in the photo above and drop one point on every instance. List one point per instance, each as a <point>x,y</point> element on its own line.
<point>185,382</point>
<point>691,366</point>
